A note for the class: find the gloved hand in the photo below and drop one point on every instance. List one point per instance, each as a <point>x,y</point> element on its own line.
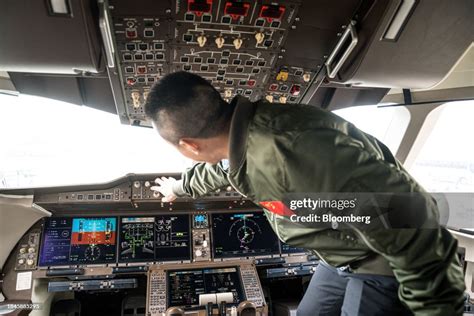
<point>165,187</point>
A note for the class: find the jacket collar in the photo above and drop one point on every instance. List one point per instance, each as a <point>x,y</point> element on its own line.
<point>239,130</point>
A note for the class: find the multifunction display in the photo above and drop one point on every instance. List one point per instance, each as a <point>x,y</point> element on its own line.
<point>161,238</point>
<point>243,234</point>
<point>71,241</point>
<point>185,286</point>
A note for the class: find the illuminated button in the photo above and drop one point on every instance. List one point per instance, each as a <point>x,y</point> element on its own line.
<point>206,18</point>
<point>224,61</point>
<point>225,53</point>
<point>226,19</point>
<point>236,62</point>
<point>248,92</point>
<point>259,22</point>
<point>149,33</point>
<point>251,83</point>
<point>273,87</point>
<point>160,56</point>
<point>187,67</point>
<point>188,37</point>
<point>282,75</point>
<point>185,59</point>
<point>127,57</point>
<point>211,60</point>
<point>128,70</point>
<point>275,24</point>
<point>268,43</point>
<point>298,72</point>
<point>149,56</point>
<point>295,90</point>
<point>141,69</point>
<point>255,70</point>
<point>221,72</point>
<point>131,33</point>
<point>197,60</point>
<point>262,63</point>
<point>283,88</point>
<point>131,46</point>
<point>239,69</point>
<point>204,68</point>
<point>229,82</point>
<point>249,63</point>
<point>143,46</point>
<point>158,46</point>
<point>138,56</point>
<point>189,17</point>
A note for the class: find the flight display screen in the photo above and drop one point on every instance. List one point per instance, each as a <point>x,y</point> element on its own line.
<point>185,286</point>
<point>243,234</point>
<point>71,241</point>
<point>161,238</point>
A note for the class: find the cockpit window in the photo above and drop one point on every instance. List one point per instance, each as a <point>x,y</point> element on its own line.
<point>442,158</point>
<point>50,143</point>
<point>388,124</point>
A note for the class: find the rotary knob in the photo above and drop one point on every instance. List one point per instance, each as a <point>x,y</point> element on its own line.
<point>31,250</point>
<point>22,250</point>
<point>21,261</point>
<point>30,262</point>
<point>198,253</point>
<point>136,184</point>
<point>147,184</point>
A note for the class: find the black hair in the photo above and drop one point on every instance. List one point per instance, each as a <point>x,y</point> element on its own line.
<point>184,105</point>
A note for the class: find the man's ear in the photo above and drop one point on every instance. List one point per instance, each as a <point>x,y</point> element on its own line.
<point>189,145</point>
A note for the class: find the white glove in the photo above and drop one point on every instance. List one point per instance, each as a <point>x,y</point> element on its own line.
<point>165,187</point>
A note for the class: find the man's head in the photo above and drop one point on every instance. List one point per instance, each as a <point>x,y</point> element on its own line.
<point>190,114</point>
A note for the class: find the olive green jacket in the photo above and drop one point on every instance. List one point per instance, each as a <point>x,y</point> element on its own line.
<point>277,149</point>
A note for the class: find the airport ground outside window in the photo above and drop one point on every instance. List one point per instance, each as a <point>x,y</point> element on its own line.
<point>443,161</point>
<point>388,124</point>
<point>50,143</point>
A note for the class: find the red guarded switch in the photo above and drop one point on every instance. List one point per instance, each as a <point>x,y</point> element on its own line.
<point>295,90</point>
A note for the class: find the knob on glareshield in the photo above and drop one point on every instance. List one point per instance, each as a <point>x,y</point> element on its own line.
<point>137,184</point>
<point>147,183</point>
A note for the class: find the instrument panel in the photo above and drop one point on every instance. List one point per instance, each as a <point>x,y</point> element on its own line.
<point>155,238</point>
<point>236,45</point>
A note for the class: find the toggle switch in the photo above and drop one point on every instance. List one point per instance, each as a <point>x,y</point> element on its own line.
<point>259,37</point>
<point>202,40</point>
<point>237,43</point>
<point>220,42</point>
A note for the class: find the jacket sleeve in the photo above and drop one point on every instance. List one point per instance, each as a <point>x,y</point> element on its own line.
<point>424,260</point>
<point>200,179</point>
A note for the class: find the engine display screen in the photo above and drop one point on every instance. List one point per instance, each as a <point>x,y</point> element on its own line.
<point>71,241</point>
<point>185,286</point>
<point>161,238</point>
<point>243,234</point>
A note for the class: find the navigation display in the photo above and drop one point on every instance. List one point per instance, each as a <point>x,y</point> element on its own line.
<point>243,234</point>
<point>161,238</point>
<point>70,241</point>
<point>185,286</point>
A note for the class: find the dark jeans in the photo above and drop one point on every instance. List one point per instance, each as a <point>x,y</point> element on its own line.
<point>332,292</point>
